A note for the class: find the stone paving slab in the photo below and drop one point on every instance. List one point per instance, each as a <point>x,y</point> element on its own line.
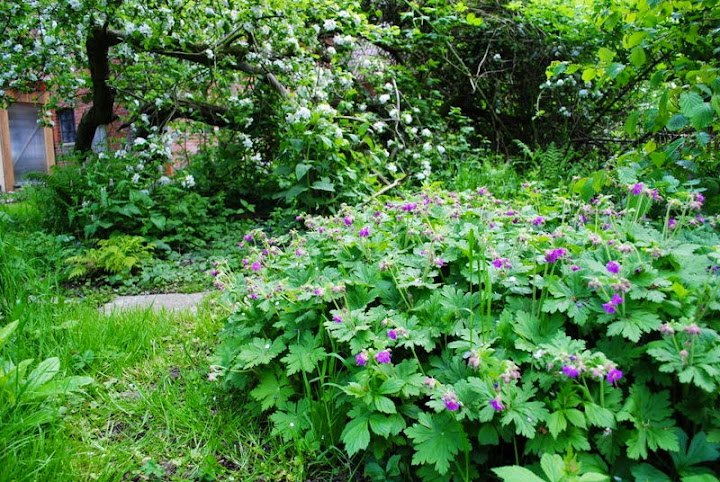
<point>169,301</point>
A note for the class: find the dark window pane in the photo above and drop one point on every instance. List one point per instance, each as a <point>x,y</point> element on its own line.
<point>67,125</point>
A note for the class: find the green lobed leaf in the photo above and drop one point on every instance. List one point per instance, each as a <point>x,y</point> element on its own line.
<point>436,440</point>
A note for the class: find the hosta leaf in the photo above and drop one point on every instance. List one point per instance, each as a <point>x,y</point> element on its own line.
<point>436,439</point>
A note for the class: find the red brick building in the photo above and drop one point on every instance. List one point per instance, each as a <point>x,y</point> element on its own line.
<point>26,145</point>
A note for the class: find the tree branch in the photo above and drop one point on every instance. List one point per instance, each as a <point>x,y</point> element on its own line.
<point>204,54</point>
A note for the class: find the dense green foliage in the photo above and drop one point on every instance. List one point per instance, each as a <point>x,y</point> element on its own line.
<point>385,313</point>
<point>446,334</point>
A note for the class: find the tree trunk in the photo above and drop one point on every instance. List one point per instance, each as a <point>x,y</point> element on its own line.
<point>97,47</point>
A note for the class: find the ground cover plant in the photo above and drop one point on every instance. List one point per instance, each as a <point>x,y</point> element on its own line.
<point>446,334</point>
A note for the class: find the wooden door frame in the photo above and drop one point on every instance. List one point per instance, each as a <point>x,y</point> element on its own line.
<point>5,147</point>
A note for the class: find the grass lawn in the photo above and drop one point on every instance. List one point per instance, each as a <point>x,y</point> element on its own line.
<point>150,412</point>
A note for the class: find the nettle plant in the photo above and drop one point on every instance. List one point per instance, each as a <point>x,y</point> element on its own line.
<point>445,334</point>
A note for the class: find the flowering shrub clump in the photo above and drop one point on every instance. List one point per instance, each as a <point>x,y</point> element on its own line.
<point>450,333</point>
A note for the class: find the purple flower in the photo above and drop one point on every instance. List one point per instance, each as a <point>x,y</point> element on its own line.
<point>692,329</point>
<point>383,356</point>
<point>364,232</point>
<point>613,267</point>
<point>392,334</point>
<point>213,273</point>
<point>637,188</point>
<point>496,404</point>
<point>575,267</point>
<point>430,382</point>
<point>348,220</point>
<point>538,221</point>
<point>616,299</point>
<point>409,207</point>
<point>501,263</point>
<point>614,375</point>
<point>299,252</point>
<point>570,371</point>
<point>671,223</point>
<point>248,237</point>
<point>256,266</point>
<point>337,319</point>
<point>553,255</point>
<point>361,358</point>
<point>451,401</point>
<point>609,308</point>
<point>440,262</point>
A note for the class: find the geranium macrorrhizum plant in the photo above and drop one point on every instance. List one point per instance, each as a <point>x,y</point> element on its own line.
<point>460,332</point>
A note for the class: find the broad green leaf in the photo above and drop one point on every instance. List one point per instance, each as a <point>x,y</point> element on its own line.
<point>436,440</point>
<point>599,416</point>
<point>324,184</point>
<point>301,169</point>
<point>677,122</point>
<point>6,331</point>
<point>553,466</point>
<point>589,74</point>
<point>356,435</point>
<point>593,477</point>
<point>605,54</point>
<point>386,425</point>
<point>514,473</point>
<point>701,116</point>
<point>689,101</point>
<point>260,352</point>
<point>304,357</point>
<point>474,20</point>
<point>637,56</point>
<point>271,391</point>
<point>633,39</point>
<point>648,473</point>
<point>43,373</point>
<point>614,69</point>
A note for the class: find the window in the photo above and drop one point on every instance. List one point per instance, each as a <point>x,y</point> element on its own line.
<point>66,117</point>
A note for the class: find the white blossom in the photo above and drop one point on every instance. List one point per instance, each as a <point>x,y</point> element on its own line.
<point>188,181</point>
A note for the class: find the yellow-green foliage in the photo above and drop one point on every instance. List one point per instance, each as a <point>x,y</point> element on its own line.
<point>118,255</point>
